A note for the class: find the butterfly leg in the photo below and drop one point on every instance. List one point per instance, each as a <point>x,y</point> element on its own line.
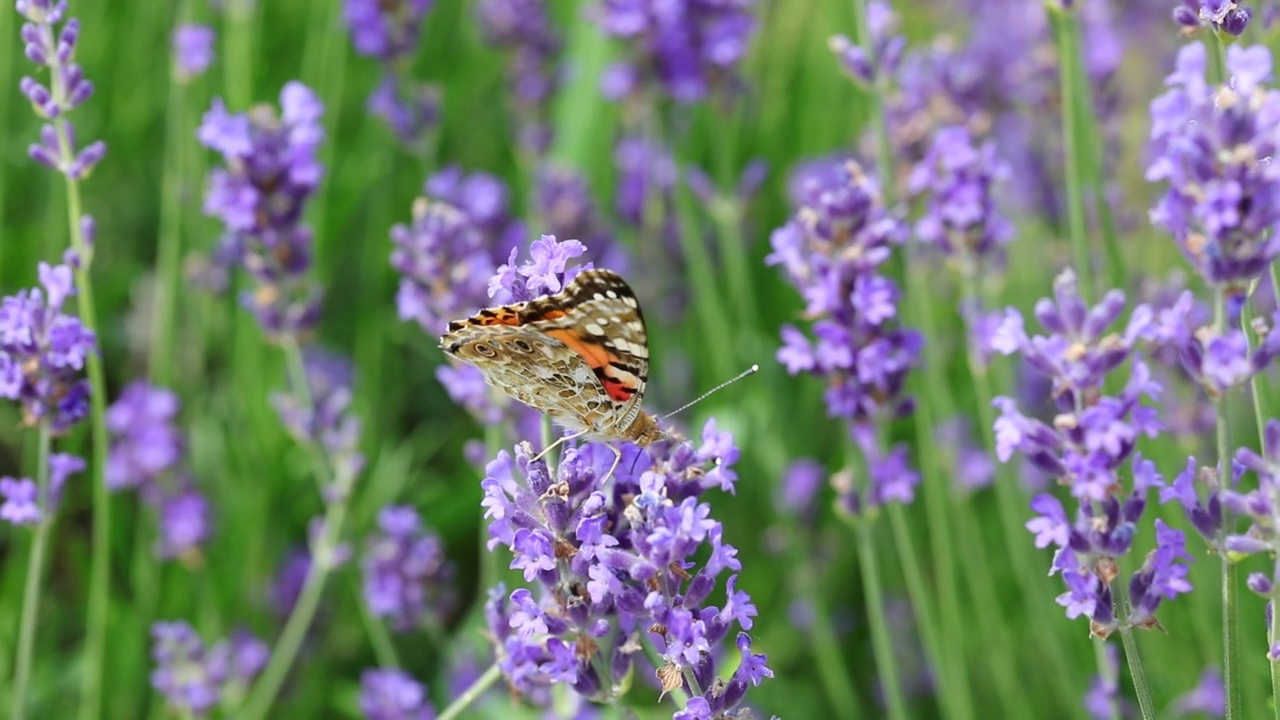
<point>617,458</point>
<point>552,446</point>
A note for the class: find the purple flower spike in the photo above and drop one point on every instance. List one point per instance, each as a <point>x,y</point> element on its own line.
<point>271,171</point>
<point>20,505</point>
<point>194,680</point>
<point>1214,148</point>
<point>393,695</point>
<point>407,577</point>
<point>192,50</point>
<point>43,351</point>
<point>958,178</point>
<point>385,30</point>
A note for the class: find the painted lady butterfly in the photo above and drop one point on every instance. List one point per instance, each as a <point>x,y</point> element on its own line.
<point>581,356</point>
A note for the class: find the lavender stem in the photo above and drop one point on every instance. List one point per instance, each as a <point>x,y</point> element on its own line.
<point>31,589</point>
<point>1064,22</point>
<point>1230,598</point>
<point>881,643</point>
<point>470,695</point>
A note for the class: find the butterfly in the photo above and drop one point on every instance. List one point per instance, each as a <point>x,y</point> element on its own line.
<point>581,356</point>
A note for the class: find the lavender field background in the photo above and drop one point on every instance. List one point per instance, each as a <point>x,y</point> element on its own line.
<point>1007,268</point>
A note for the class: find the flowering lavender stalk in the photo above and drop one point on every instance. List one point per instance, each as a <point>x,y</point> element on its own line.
<point>271,171</point>
<point>393,695</point>
<point>317,412</point>
<point>389,32</point>
<point>523,29</point>
<point>147,453</point>
<point>617,544</point>
<point>1219,16</point>
<point>195,680</point>
<point>50,43</point>
<point>1213,145</point>
<point>1091,439</point>
<point>407,577</point>
<point>685,56</point>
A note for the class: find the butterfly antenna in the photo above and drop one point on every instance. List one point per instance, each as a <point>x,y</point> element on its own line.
<point>749,371</point>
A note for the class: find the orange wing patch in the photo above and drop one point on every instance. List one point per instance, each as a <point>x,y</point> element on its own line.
<point>619,383</point>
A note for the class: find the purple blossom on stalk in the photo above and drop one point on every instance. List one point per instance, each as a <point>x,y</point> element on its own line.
<point>147,454</point>
<point>43,352</point>
<point>523,30</point>
<point>1225,16</point>
<point>320,414</point>
<point>1208,697</point>
<point>271,171</point>
<point>21,501</point>
<point>407,576</point>
<point>1214,146</point>
<point>410,108</point>
<point>684,50</point>
<point>832,250</point>
<point>393,695</point>
<point>958,178</point>
<point>567,209</point>
<point>192,51</point>
<point>386,30</point>
<point>647,174</point>
<point>886,47</point>
<point>194,680</point>
<point>973,466</point>
<point>614,560</point>
<point>1215,358</point>
<point>1104,688</point>
<point>53,48</point>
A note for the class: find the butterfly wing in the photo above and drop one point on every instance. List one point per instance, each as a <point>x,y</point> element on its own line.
<point>580,355</point>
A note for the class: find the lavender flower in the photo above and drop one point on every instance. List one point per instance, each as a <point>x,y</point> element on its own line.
<point>393,695</point>
<point>620,545</point>
<point>388,31</point>
<point>684,51</point>
<point>523,30</point>
<point>832,250</point>
<point>43,352</point>
<point>410,108</point>
<point>53,48</point>
<point>407,576</point>
<point>1219,15</point>
<point>454,244</point>
<point>320,414</point>
<point>886,47</point>
<point>271,171</point>
<point>567,209</point>
<point>1208,697</point>
<point>21,501</point>
<point>147,454</point>
<point>192,51</point>
<point>1104,688</point>
<point>957,178</point>
<point>1214,357</point>
<point>1214,147</point>
<point>972,465</point>
<point>195,680</point>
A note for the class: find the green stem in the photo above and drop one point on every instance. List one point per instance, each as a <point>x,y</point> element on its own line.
<point>1010,503</point>
<point>707,301</point>
<point>1274,633</point>
<point>31,590</point>
<point>264,692</point>
<point>881,643</point>
<point>1073,141</point>
<point>879,126</point>
<point>238,45</point>
<point>169,252</point>
<point>1136,671</point>
<point>949,676</point>
<point>471,694</point>
<point>379,637</point>
<point>100,559</point>
<point>1230,596</point>
<point>833,673</point>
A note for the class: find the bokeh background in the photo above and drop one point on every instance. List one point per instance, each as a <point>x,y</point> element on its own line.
<point>793,104</point>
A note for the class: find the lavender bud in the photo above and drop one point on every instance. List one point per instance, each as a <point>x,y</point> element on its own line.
<point>1260,584</point>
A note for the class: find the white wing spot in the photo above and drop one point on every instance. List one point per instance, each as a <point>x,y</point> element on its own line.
<point>594,329</point>
<point>611,295</point>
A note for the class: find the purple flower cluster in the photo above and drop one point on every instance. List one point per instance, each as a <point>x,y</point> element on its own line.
<point>22,502</point>
<point>1216,358</point>
<point>1225,16</point>
<point>146,454</point>
<point>613,561</point>
<point>1088,547</point>
<point>393,695</point>
<point>389,31</point>
<point>685,48</point>
<point>957,178</point>
<point>1260,506</point>
<point>271,172</point>
<point>887,47</point>
<point>1094,434</point>
<point>1215,148</point>
<point>832,251</point>
<point>320,414</point>
<point>455,242</point>
<point>523,29</point>
<point>54,49</point>
<point>407,577</point>
<point>192,51</point>
<point>43,352</point>
<point>567,209</point>
<point>195,680</point>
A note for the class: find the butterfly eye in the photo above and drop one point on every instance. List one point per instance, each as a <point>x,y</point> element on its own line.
<point>485,349</point>
<point>522,346</point>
